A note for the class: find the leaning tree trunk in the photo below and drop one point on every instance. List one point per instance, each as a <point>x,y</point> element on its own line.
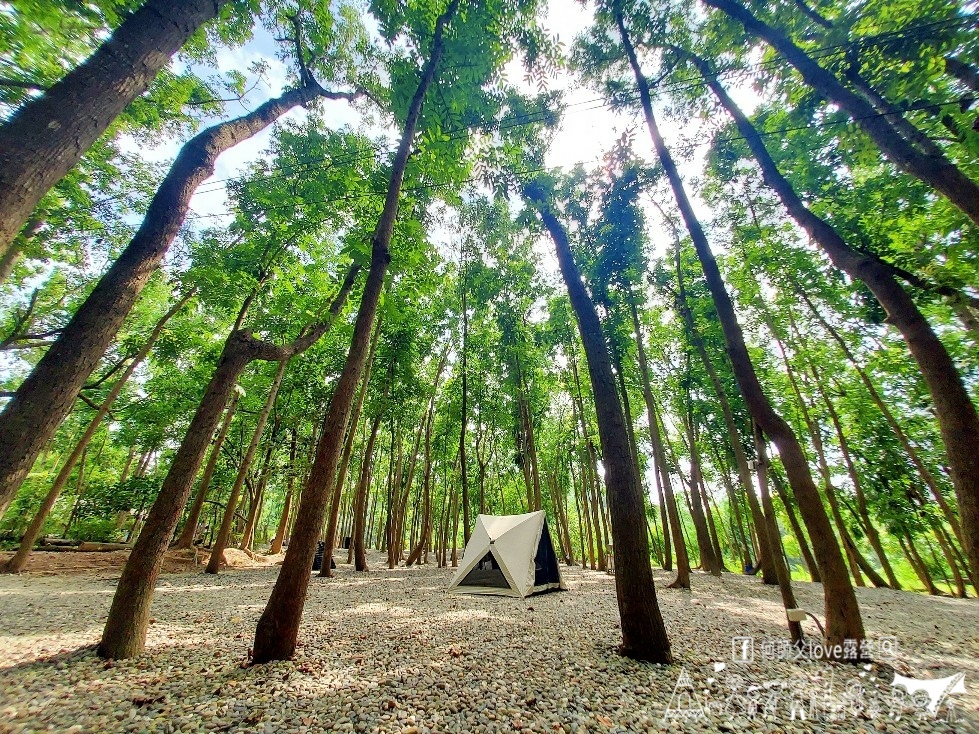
<point>125,629</point>
<point>954,409</point>
<point>359,543</point>
<point>47,395</point>
<point>278,628</point>
<point>19,560</point>
<point>708,561</point>
<point>935,170</point>
<point>189,532</point>
<point>643,631</point>
<point>48,135</point>
<point>224,534</point>
<point>843,620</point>
<point>426,512</point>
<point>280,532</point>
<point>668,509</point>
<point>330,538</point>
<point>775,538</point>
<point>768,575</point>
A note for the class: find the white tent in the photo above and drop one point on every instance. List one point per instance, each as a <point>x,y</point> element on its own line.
<point>510,555</point>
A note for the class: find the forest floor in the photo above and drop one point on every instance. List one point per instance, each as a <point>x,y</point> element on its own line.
<point>391,651</point>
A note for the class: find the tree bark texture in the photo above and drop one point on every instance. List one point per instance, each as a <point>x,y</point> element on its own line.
<point>47,395</point>
<point>49,134</point>
<point>843,620</point>
<point>643,630</point>
<point>278,628</point>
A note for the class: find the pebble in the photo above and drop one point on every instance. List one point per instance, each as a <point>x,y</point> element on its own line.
<point>390,651</point>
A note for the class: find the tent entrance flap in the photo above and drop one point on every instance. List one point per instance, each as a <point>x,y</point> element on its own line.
<point>545,561</point>
<point>486,573</point>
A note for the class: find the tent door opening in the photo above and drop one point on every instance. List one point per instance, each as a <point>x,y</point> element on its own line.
<point>486,573</point>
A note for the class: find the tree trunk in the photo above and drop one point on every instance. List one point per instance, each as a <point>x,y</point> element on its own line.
<point>935,170</point>
<point>855,557</point>
<point>280,532</point>
<point>870,529</point>
<point>425,533</point>
<point>775,538</point>
<point>811,566</point>
<point>741,460</point>
<point>708,561</point>
<point>255,506</point>
<point>954,409</point>
<point>278,628</point>
<point>48,135</point>
<point>918,565</point>
<point>19,560</point>
<point>15,251</point>
<point>843,620</point>
<point>125,630</point>
<point>667,503</point>
<point>224,534</point>
<point>189,532</point>
<point>360,497</point>
<point>330,538</point>
<point>47,395</point>
<point>464,416</point>
<point>643,631</point>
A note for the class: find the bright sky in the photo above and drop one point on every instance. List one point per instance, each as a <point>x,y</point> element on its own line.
<point>587,129</point>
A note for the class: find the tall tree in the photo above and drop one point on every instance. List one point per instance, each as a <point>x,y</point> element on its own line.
<point>47,135</point>
<point>643,630</point>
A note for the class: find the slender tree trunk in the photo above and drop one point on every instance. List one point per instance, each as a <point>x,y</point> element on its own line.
<point>775,539</point>
<point>278,628</point>
<point>49,134</point>
<point>360,497</point>
<point>843,620</point>
<point>870,529</point>
<point>643,631</point>
<point>280,532</point>
<point>189,532</point>
<point>15,251</point>
<point>581,525</point>
<point>79,491</point>
<point>464,417</point>
<point>918,565</point>
<point>666,501</point>
<point>330,539</point>
<point>425,534</point>
<point>224,534</point>
<point>954,409</point>
<point>708,561</point>
<point>855,557</point>
<point>811,566</point>
<point>902,437</point>
<point>734,436</point>
<point>19,560</point>
<point>255,507</point>
<point>47,395</point>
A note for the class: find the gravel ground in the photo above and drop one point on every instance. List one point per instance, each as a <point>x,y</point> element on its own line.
<point>390,651</point>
